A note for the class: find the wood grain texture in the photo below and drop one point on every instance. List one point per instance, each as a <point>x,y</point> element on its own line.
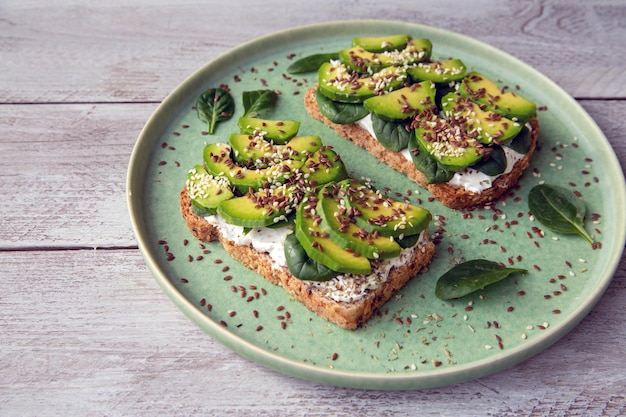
<point>140,50</point>
<point>88,332</point>
<point>85,329</point>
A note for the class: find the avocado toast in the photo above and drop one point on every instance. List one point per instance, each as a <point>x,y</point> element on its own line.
<point>283,206</point>
<point>453,131</point>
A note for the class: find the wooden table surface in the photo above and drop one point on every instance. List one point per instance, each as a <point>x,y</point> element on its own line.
<point>84,327</point>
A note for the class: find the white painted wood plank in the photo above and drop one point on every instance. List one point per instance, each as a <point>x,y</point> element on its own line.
<point>63,174</point>
<point>90,333</point>
<point>64,168</point>
<point>139,51</point>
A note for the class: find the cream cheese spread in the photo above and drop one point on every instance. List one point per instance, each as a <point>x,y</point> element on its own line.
<point>345,287</point>
<point>349,288</point>
<point>470,179</point>
<point>262,239</point>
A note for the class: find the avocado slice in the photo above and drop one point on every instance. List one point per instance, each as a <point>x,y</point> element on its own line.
<point>438,71</point>
<point>403,103</point>
<point>207,191</point>
<point>218,161</point>
<point>488,94</point>
<point>490,127</point>
<point>324,166</point>
<point>337,83</point>
<point>360,60</point>
<point>376,212</point>
<point>254,150</point>
<point>279,131</point>
<point>449,143</point>
<point>320,247</point>
<point>382,43</point>
<point>264,207</point>
<point>341,228</point>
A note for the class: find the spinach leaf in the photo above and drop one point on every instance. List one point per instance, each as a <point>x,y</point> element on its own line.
<point>432,170</point>
<point>311,63</point>
<point>521,142</point>
<point>470,276</point>
<point>392,135</point>
<point>303,267</point>
<point>408,241</point>
<point>340,113</point>
<point>558,209</point>
<point>213,106</point>
<point>494,164</point>
<point>258,103</point>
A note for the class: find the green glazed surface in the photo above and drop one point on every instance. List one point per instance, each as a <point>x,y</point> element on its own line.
<point>416,340</point>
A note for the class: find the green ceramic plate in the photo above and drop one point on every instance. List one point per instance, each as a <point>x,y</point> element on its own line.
<point>415,340</point>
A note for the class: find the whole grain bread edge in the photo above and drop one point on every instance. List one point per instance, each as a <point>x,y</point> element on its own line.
<point>348,315</point>
<point>452,196</point>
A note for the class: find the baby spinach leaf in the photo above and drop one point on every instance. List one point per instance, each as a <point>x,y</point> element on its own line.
<point>340,113</point>
<point>408,241</point>
<point>303,267</point>
<point>521,142</point>
<point>392,135</point>
<point>558,209</point>
<point>311,63</point>
<point>471,276</point>
<point>213,106</point>
<point>432,170</point>
<point>494,164</point>
<point>259,102</point>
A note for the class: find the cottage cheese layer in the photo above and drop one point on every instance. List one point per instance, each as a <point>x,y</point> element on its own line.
<point>470,179</point>
<point>349,288</point>
<point>345,287</point>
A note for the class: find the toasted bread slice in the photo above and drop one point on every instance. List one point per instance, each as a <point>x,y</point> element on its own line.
<point>347,314</point>
<point>453,196</point>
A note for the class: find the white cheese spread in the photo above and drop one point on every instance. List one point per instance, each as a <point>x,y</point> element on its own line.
<point>349,288</point>
<point>346,287</point>
<point>262,239</point>
<point>468,178</point>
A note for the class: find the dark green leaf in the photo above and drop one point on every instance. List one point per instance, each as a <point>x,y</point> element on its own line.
<point>392,135</point>
<point>310,63</point>
<point>558,209</point>
<point>521,142</point>
<point>213,106</point>
<point>494,164</point>
<point>259,103</point>
<point>470,276</point>
<point>408,241</point>
<point>340,113</point>
<point>303,267</point>
<point>432,170</point>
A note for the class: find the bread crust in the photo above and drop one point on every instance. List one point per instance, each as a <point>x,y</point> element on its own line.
<point>452,196</point>
<point>348,315</point>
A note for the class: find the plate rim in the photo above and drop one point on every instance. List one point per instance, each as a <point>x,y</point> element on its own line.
<point>356,379</point>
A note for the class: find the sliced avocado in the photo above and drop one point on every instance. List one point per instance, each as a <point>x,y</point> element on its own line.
<point>382,43</point>
<point>449,143</point>
<point>253,150</point>
<point>218,161</point>
<point>324,166</point>
<point>205,190</point>
<point>403,103</point>
<point>488,94</point>
<point>279,131</point>
<point>342,229</point>
<point>438,71</point>
<point>360,60</point>
<point>491,127</point>
<point>320,247</point>
<point>376,212</point>
<point>264,207</point>
<point>338,84</point>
